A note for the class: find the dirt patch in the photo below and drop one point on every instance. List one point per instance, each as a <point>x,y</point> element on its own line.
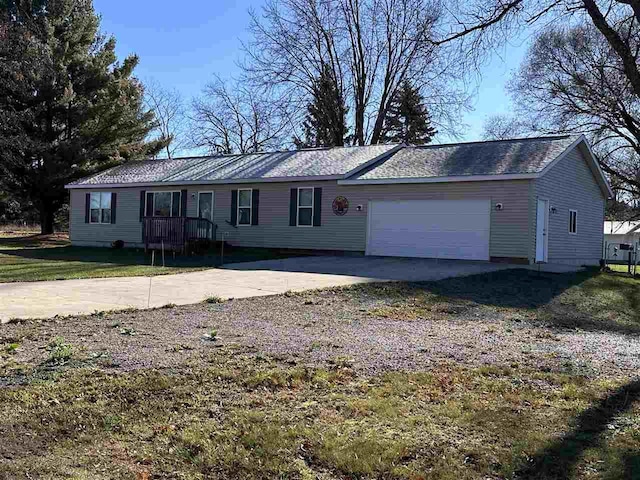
<point>398,331</point>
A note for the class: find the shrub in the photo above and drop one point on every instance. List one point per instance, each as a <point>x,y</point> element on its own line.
<point>118,244</point>
<point>214,299</point>
<point>60,352</point>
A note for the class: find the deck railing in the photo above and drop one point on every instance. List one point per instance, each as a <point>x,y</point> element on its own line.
<point>176,232</point>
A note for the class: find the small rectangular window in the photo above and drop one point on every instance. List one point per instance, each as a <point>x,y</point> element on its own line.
<point>100,207</point>
<point>305,207</point>
<point>573,222</point>
<point>244,206</point>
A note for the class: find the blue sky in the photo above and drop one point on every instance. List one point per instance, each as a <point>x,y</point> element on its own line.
<point>183,44</point>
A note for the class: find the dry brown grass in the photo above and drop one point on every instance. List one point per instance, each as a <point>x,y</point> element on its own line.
<point>253,418</point>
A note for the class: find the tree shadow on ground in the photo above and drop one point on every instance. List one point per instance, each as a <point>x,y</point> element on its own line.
<point>35,241</point>
<point>82,254</point>
<point>131,257</point>
<point>559,460</point>
<point>517,288</point>
<point>586,300</point>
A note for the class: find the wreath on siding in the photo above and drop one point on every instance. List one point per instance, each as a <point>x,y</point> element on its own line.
<point>340,206</point>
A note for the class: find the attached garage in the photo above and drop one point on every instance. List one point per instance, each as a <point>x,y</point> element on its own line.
<point>451,229</point>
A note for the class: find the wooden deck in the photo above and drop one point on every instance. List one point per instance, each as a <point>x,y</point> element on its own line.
<point>175,233</point>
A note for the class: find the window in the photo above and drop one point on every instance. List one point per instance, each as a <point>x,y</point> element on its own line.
<point>573,222</point>
<point>305,207</point>
<point>244,206</point>
<point>100,207</point>
<point>163,204</point>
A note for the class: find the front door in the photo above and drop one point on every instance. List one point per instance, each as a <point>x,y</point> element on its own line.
<point>205,205</point>
<point>542,226</point>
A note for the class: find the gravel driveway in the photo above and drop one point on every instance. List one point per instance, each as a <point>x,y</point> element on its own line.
<point>326,327</point>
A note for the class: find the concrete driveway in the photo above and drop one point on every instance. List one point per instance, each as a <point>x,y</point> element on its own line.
<point>70,297</point>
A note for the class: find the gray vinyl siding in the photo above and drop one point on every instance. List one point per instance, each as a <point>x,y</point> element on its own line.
<point>510,227</point>
<point>127,227</point>
<point>570,184</point>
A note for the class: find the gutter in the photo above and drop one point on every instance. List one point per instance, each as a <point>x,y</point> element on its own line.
<point>317,178</point>
<point>459,178</point>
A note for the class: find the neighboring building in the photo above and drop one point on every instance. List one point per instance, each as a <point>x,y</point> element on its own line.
<point>523,200</point>
<point>617,234</point>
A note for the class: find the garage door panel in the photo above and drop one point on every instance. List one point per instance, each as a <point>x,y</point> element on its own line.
<point>453,229</point>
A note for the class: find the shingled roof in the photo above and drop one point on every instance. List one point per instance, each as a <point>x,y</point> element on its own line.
<point>368,164</point>
<point>322,162</point>
<point>501,157</point>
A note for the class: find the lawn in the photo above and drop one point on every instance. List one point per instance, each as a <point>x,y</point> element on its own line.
<point>28,258</point>
<point>504,375</point>
<point>620,268</point>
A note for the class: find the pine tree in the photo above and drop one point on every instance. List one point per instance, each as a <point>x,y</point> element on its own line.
<point>67,106</point>
<point>325,124</point>
<point>407,120</point>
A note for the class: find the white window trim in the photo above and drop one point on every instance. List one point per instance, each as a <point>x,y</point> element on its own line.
<point>153,207</point>
<point>100,222</point>
<point>213,202</point>
<point>298,207</point>
<point>571,210</point>
<point>250,207</point>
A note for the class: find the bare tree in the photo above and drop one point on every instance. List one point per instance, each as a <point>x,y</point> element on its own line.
<point>480,26</point>
<point>572,81</point>
<point>170,114</point>
<point>235,118</point>
<point>585,78</point>
<point>371,46</point>
<point>504,127</point>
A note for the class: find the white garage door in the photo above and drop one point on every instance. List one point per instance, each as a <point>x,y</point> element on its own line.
<point>457,229</point>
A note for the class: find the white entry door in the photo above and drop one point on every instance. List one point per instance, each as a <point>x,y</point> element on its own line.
<point>205,205</point>
<point>456,229</point>
<point>542,226</point>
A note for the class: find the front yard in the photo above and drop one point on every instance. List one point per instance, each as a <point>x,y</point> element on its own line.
<point>503,375</point>
<point>31,257</point>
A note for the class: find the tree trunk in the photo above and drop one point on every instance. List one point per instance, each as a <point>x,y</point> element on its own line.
<point>46,219</point>
<point>622,48</point>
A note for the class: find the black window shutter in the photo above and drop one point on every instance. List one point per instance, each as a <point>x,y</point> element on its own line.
<point>317,207</point>
<point>114,207</point>
<point>293,208</point>
<point>87,204</point>
<point>234,207</point>
<point>255,205</point>
<point>183,202</point>
<point>149,212</point>
<point>142,197</point>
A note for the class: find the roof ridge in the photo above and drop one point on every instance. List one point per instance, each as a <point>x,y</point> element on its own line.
<point>262,152</point>
<point>505,140</point>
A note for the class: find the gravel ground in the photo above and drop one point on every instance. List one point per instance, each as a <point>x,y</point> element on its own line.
<point>331,326</point>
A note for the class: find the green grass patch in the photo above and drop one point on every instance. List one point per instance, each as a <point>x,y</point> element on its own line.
<point>36,258</point>
<point>250,419</point>
<point>587,300</point>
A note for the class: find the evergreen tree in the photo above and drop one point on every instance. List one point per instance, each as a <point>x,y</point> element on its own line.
<point>67,106</point>
<point>407,120</point>
<point>325,124</point>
